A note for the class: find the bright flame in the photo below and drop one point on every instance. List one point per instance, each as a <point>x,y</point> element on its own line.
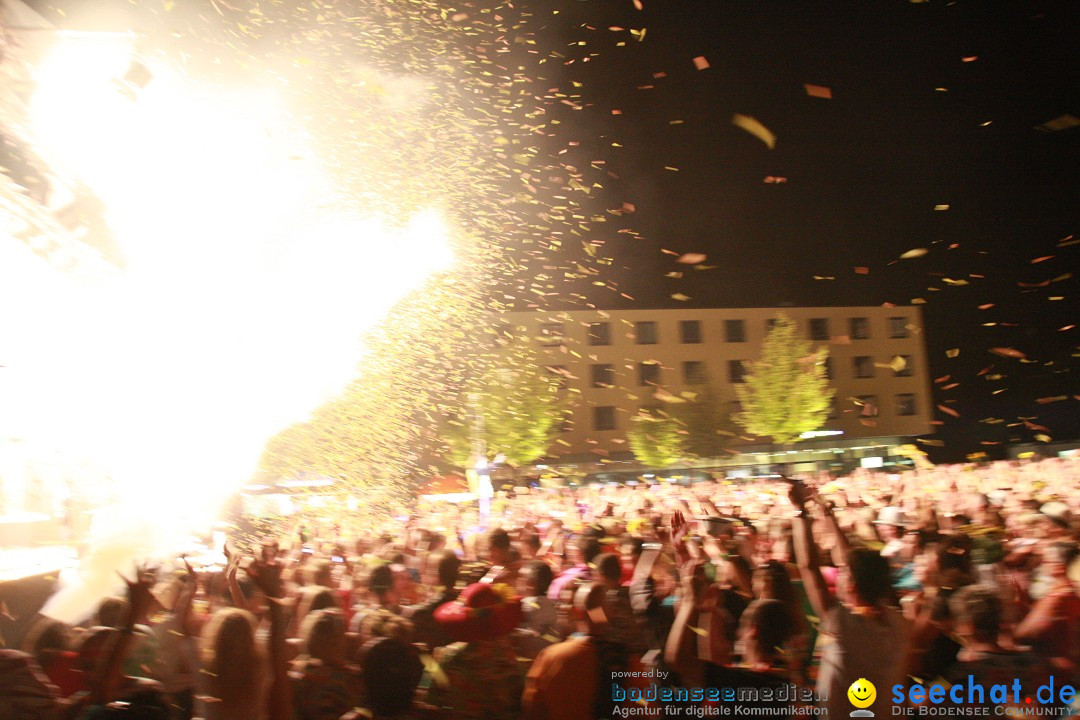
<point>243,300</point>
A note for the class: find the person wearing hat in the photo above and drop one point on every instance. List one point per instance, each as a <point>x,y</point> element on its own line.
<point>891,524</point>
<point>478,675</point>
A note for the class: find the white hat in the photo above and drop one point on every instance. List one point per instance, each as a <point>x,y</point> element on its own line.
<point>892,516</point>
<point>1056,511</point>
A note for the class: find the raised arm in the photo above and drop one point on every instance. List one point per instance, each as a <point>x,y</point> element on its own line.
<point>806,555</point>
<point>266,573</point>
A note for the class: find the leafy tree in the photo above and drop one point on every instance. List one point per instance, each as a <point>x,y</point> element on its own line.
<point>513,405</point>
<point>708,425</point>
<point>785,393</point>
<point>658,437</point>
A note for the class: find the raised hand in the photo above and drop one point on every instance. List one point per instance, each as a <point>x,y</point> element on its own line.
<point>266,574</point>
<point>138,592</point>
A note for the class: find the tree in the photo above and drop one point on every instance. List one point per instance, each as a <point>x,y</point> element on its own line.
<point>708,425</point>
<point>513,406</point>
<point>785,393</point>
<point>657,436</point>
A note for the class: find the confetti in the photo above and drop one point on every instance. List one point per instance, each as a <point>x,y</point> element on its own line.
<point>939,208</point>
<point>948,410</point>
<point>680,297</point>
<point>954,352</point>
<point>701,63</point>
<point>862,270</point>
<point>1008,352</point>
<point>692,258</point>
<point>755,128</point>
<point>1062,122</point>
<point>818,91</point>
<point>915,253</point>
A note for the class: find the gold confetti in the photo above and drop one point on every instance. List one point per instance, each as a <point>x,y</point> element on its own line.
<point>692,258</point>
<point>915,253</point>
<point>755,128</point>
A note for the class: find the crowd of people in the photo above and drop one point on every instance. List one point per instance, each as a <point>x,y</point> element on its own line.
<point>594,602</point>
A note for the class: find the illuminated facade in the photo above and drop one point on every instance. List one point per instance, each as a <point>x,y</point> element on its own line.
<point>616,362</point>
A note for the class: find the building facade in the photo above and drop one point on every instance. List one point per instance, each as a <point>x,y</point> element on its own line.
<point>614,363</point>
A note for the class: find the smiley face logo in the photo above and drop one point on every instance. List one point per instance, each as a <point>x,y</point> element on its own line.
<point>862,693</point>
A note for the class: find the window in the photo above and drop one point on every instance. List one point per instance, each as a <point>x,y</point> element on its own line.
<point>599,333</point>
<point>736,371</point>
<point>771,323</point>
<point>561,375</point>
<point>819,328</point>
<point>551,334</point>
<point>860,328</point>
<point>901,366</point>
<point>735,330</point>
<point>603,417</point>
<point>648,373</point>
<point>828,367</point>
<point>645,332</point>
<point>898,327</point>
<point>690,331</point>
<point>905,404</point>
<point>603,375</point>
<point>868,406</point>
<point>864,366</point>
<point>693,372</point>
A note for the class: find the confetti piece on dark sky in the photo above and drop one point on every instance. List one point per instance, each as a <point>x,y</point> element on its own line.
<point>862,270</point>
<point>818,91</point>
<point>701,63</point>
<point>692,258</point>
<point>755,128</point>
<point>1062,122</point>
<point>941,207</point>
<point>948,410</point>
<point>1008,352</point>
<point>915,253</point>
<point>1044,258</point>
<point>680,297</point>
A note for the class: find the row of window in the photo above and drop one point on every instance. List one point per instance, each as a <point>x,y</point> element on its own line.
<point>646,332</point>
<point>867,407</point>
<point>694,372</point>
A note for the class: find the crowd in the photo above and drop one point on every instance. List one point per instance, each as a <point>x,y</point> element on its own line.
<point>595,602</point>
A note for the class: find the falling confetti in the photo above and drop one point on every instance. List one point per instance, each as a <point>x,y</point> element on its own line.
<point>755,128</point>
<point>701,63</point>
<point>818,91</point>
<point>915,253</point>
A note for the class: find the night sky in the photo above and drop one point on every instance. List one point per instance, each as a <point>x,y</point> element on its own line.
<point>932,104</point>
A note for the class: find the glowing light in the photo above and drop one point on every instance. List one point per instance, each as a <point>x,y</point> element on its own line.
<point>248,285</point>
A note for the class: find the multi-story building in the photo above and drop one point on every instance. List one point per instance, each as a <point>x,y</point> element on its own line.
<point>616,362</point>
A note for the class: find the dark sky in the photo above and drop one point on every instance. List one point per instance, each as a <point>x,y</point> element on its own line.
<point>864,171</point>
<point>913,86</point>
